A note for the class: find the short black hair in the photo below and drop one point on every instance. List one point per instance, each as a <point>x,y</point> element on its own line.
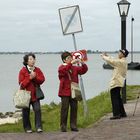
<point>64,55</point>
<point>26,57</point>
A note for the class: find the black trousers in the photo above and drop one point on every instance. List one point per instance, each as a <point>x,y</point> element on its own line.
<point>117,104</point>
<point>26,116</point>
<point>65,102</point>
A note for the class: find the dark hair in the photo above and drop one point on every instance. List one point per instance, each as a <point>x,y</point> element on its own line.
<point>64,55</point>
<point>124,52</point>
<point>26,57</point>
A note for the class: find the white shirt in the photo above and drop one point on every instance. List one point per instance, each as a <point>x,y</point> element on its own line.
<point>30,68</point>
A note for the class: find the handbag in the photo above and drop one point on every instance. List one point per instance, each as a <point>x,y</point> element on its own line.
<point>39,93</point>
<point>22,98</point>
<point>75,90</point>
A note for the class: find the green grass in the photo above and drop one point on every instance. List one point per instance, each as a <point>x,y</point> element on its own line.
<point>97,107</point>
<point>133,92</point>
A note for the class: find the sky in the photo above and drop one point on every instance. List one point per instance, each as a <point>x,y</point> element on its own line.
<point>34,25</point>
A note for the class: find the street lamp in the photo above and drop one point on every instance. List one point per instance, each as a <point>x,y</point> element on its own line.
<point>123,7</point>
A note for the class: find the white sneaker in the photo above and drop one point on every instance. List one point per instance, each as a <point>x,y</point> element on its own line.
<point>39,130</point>
<point>28,131</point>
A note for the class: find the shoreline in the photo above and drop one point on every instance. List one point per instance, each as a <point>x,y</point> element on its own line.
<point>88,52</point>
<point>10,117</point>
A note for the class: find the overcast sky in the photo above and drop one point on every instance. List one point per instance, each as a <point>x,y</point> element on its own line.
<point>34,25</point>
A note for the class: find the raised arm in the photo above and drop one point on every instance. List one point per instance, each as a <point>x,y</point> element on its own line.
<point>82,69</point>
<point>111,61</point>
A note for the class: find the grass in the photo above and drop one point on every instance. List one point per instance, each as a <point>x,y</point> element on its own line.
<point>97,107</point>
<point>133,92</point>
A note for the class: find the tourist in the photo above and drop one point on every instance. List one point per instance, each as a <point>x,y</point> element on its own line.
<point>117,81</point>
<point>68,72</point>
<point>29,77</point>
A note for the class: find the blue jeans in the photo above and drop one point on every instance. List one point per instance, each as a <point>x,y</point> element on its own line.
<point>26,116</point>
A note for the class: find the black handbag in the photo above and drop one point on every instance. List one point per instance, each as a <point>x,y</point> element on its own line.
<point>39,93</point>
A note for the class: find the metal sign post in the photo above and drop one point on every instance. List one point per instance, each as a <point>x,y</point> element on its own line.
<point>81,83</point>
<point>71,23</point>
<point>74,42</point>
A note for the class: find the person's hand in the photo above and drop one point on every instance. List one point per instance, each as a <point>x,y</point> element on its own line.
<point>104,54</point>
<point>81,62</point>
<point>75,61</point>
<point>32,75</point>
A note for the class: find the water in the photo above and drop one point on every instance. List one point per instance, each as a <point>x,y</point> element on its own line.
<point>95,80</point>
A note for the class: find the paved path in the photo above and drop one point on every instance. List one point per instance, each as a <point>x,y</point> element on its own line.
<point>122,129</point>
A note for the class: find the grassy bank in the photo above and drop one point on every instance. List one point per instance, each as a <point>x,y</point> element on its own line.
<point>97,107</point>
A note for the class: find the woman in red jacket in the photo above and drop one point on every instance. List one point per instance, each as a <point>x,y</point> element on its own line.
<point>29,77</point>
<point>65,71</point>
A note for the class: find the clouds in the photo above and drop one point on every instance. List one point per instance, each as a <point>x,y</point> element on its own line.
<point>35,25</point>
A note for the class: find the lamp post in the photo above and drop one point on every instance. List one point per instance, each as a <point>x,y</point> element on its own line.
<point>132,19</point>
<point>123,7</point>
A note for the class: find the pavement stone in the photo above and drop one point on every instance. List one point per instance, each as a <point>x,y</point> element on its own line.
<point>105,129</point>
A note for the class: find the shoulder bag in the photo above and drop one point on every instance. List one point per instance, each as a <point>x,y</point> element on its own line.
<point>22,98</point>
<point>39,93</point>
<point>75,90</point>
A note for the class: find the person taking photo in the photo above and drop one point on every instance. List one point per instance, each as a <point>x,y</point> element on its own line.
<point>117,81</point>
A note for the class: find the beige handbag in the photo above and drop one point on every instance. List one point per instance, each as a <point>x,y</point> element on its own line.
<point>75,90</point>
<point>22,98</point>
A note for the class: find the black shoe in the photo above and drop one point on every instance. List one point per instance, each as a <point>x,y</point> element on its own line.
<point>63,130</point>
<point>123,115</point>
<point>74,129</point>
<point>115,117</point>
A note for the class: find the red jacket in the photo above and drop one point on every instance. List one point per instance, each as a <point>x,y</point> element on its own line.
<point>63,70</point>
<point>26,83</point>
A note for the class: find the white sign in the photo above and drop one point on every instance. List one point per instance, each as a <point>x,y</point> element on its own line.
<point>70,20</point>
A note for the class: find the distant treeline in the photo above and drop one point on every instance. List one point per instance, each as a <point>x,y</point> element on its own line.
<point>29,52</point>
<point>88,51</point>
